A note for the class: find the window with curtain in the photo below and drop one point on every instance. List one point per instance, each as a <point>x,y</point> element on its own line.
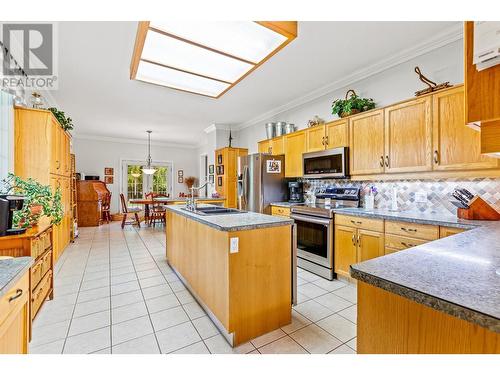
<point>6,134</point>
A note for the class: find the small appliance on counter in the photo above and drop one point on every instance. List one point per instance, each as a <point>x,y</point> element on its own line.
<point>296,192</point>
<point>315,228</point>
<point>9,204</point>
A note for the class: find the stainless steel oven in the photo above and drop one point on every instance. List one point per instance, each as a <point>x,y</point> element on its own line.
<point>331,163</point>
<point>314,243</point>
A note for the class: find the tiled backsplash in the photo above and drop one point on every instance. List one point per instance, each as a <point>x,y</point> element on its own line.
<point>438,192</point>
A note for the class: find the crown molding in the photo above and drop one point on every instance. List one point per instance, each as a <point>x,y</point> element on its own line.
<point>215,127</point>
<point>450,35</point>
<point>90,137</point>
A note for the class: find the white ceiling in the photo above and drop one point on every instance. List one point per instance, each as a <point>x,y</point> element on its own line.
<point>95,89</point>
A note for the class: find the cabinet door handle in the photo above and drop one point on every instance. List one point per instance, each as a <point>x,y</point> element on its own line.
<point>326,141</point>
<point>58,164</point>
<point>18,294</point>
<point>408,229</point>
<point>323,141</point>
<point>436,157</point>
<point>353,240</point>
<point>387,161</point>
<point>359,242</point>
<point>382,161</point>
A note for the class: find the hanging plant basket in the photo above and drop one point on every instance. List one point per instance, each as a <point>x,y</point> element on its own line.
<point>351,105</point>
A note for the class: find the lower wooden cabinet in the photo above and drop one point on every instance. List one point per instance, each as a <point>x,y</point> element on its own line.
<point>354,245</point>
<point>14,318</point>
<point>449,231</point>
<point>280,211</point>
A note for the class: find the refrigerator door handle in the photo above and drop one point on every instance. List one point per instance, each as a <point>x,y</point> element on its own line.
<point>294,264</point>
<point>245,187</point>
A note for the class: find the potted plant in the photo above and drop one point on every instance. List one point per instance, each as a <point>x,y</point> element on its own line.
<point>351,105</point>
<point>65,122</point>
<point>39,201</point>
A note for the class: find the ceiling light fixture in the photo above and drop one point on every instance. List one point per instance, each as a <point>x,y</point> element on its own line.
<point>149,169</point>
<point>205,58</point>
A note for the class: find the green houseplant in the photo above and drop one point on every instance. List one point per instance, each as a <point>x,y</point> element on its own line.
<point>66,122</point>
<point>351,105</point>
<point>39,201</point>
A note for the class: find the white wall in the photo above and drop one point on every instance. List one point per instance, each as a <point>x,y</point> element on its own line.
<point>93,156</point>
<point>392,85</point>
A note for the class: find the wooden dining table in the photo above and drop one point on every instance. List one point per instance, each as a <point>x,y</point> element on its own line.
<point>146,202</point>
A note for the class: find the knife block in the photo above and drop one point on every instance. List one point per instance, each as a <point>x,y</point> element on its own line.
<point>478,210</point>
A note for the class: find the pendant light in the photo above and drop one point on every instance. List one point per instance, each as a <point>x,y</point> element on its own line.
<point>149,169</point>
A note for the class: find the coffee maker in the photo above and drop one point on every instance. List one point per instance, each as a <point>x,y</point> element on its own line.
<point>9,204</point>
<point>295,192</point>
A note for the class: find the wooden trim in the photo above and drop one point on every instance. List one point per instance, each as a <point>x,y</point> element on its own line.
<point>140,39</point>
<point>285,28</point>
<point>184,71</point>
<point>173,36</point>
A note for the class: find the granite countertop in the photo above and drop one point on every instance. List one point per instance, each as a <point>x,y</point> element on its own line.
<point>284,204</point>
<point>434,218</point>
<point>459,275</point>
<point>11,270</point>
<point>233,222</point>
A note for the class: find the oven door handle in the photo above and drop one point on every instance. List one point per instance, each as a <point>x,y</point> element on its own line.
<point>309,219</point>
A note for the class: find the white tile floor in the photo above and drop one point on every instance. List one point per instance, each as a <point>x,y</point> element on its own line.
<point>115,293</point>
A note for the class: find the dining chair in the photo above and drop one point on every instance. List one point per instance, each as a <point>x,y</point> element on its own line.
<point>157,211</point>
<point>126,211</point>
<point>106,208</point>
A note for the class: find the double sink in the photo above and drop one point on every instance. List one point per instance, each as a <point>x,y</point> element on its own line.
<point>215,210</point>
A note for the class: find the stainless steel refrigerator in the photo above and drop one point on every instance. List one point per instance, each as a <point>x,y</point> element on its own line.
<point>261,181</point>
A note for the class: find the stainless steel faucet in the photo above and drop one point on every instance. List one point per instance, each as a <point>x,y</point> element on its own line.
<point>191,202</point>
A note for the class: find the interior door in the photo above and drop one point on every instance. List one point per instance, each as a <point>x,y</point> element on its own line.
<point>408,132</point>
<point>367,143</point>
<point>344,250</point>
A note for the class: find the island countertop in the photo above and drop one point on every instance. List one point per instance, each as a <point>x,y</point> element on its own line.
<point>232,222</point>
<point>11,270</point>
<point>458,275</point>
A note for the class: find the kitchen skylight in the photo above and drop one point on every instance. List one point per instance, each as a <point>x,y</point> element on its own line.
<point>206,58</point>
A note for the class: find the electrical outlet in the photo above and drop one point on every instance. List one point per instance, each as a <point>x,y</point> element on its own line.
<point>233,245</point>
<point>421,197</point>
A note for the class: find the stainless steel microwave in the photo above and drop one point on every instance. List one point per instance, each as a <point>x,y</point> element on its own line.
<point>332,163</point>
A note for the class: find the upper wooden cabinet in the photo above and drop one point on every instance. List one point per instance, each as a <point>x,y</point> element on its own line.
<point>366,133</point>
<point>277,145</point>
<point>315,138</point>
<point>408,132</point>
<point>264,147</point>
<point>295,146</point>
<point>455,146</point>
<point>336,134</point>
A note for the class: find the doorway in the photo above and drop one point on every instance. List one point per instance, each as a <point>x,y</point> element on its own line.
<point>135,183</point>
<point>203,174</point>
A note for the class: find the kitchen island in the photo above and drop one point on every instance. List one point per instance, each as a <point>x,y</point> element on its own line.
<point>439,297</point>
<point>238,266</point>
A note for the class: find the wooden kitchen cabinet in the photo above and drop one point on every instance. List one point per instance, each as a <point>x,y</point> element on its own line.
<point>315,138</point>
<point>408,132</point>
<point>449,231</point>
<point>354,244</point>
<point>280,211</point>
<point>295,146</point>
<point>336,134</point>
<point>345,249</point>
<point>277,145</point>
<point>455,145</point>
<point>15,319</point>
<point>370,245</point>
<point>227,181</point>
<point>366,133</point>
<point>264,147</point>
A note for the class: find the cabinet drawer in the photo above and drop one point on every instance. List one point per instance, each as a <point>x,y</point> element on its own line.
<point>36,248</point>
<point>449,231</point>
<point>280,211</point>
<point>39,294</point>
<point>401,243</point>
<point>390,250</point>
<point>424,232</point>
<point>9,305</point>
<point>375,225</point>
<point>36,273</point>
